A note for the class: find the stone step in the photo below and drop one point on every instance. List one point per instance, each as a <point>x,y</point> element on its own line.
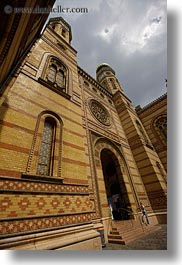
<point>123,229</point>
<point>114,232</point>
<point>116,241</point>
<point>110,236</point>
<point>133,237</point>
<point>123,232</point>
<point>125,226</point>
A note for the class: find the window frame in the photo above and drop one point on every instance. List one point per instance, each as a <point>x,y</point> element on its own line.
<point>64,90</point>
<point>31,169</point>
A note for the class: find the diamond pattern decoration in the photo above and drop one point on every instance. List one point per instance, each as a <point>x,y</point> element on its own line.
<point>43,187</point>
<point>41,203</point>
<point>55,203</point>
<point>78,202</point>
<point>36,205</point>
<point>67,202</point>
<point>36,224</point>
<point>46,210</point>
<point>24,204</point>
<point>5,203</point>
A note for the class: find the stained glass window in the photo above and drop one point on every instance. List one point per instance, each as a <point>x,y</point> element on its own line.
<point>46,149</point>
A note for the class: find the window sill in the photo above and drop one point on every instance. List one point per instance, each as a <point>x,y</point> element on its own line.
<point>39,178</point>
<point>56,90</point>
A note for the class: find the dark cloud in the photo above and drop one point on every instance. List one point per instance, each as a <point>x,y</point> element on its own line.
<point>130,36</point>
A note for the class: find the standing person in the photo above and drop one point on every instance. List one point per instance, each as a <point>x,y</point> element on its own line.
<point>144,213</point>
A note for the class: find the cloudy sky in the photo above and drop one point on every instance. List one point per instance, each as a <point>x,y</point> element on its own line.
<point>129,35</point>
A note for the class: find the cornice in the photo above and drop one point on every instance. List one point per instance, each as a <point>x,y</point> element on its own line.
<point>94,82</point>
<point>151,104</point>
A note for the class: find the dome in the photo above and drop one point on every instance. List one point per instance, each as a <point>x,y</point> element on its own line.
<point>104,65</point>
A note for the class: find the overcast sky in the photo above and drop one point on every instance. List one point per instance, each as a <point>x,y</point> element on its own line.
<point>129,35</point>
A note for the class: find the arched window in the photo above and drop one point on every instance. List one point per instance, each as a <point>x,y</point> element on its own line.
<point>142,132</point>
<point>57,74</point>
<point>46,153</point>
<point>161,124</point>
<point>46,150</point>
<point>52,73</point>
<point>113,83</point>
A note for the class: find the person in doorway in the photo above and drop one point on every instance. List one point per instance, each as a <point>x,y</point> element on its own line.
<point>109,199</point>
<point>116,207</point>
<point>115,199</point>
<point>144,213</point>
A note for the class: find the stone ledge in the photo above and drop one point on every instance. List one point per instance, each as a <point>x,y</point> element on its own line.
<point>53,240</point>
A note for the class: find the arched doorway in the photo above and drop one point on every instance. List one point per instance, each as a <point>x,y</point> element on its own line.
<point>114,184</point>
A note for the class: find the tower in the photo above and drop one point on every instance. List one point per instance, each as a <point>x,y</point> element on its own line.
<point>105,75</point>
<point>144,153</point>
<point>61,28</point>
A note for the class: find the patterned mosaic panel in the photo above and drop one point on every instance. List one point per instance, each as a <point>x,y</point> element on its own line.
<point>31,205</point>
<point>18,226</point>
<point>22,205</point>
<point>19,185</point>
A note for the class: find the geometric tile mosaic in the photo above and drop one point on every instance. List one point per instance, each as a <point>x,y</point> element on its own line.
<point>20,185</point>
<point>30,205</point>
<point>21,205</point>
<point>18,226</point>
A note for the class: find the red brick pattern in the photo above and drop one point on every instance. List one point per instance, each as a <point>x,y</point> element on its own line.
<point>23,205</point>
<point>32,205</point>
<point>18,226</point>
<point>19,185</point>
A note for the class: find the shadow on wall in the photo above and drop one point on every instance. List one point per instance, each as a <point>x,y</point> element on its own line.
<point>3,110</point>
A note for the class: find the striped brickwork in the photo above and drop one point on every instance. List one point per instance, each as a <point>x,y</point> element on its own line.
<point>148,115</point>
<point>74,192</point>
<point>144,154</point>
<point>28,203</point>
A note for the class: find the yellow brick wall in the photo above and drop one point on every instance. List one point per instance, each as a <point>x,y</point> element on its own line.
<point>80,191</point>
<point>147,116</point>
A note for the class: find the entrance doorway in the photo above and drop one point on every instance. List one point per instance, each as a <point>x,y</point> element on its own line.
<point>115,187</point>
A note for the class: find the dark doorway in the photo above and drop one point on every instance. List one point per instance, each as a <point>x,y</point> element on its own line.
<point>115,187</point>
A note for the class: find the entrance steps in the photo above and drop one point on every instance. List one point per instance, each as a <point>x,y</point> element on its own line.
<point>124,232</point>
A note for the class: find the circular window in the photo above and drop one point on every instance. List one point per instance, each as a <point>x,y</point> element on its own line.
<point>99,112</point>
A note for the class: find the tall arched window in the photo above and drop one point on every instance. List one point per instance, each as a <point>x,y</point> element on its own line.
<point>46,150</point>
<point>46,153</point>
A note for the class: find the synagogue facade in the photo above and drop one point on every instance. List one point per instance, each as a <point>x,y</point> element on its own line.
<point>75,154</point>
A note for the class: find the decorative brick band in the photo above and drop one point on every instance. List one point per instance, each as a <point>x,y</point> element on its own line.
<point>14,184</point>
<point>20,226</point>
